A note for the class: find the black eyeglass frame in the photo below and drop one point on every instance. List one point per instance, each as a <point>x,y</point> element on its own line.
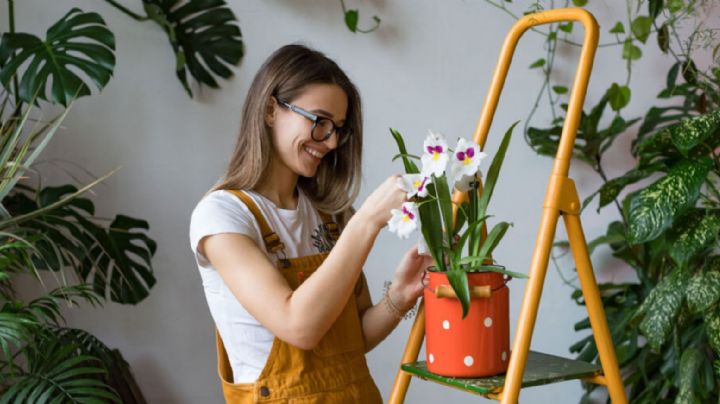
<point>342,132</point>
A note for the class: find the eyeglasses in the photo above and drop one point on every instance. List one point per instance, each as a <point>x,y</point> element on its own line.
<point>322,127</point>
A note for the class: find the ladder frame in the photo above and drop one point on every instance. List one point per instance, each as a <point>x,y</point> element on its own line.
<point>561,199</point>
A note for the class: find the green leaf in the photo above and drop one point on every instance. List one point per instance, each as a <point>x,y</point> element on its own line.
<point>444,201</point>
<point>538,63</point>
<point>458,281</point>
<point>611,189</point>
<point>653,209</point>
<point>493,239</point>
<point>690,362</point>
<point>655,8</point>
<point>410,166</point>
<point>494,172</point>
<point>78,42</point>
<point>640,27</point>
<point>560,89</point>
<point>579,3</point>
<point>619,96</point>
<point>689,72</point>
<point>618,28</point>
<point>351,20</point>
<point>663,38</point>
<point>566,27</point>
<point>675,5</point>
<point>661,308</point>
<point>691,132</point>
<point>693,234</point>
<point>703,291</point>
<point>204,36</point>
<point>712,328</point>
<point>630,51</point>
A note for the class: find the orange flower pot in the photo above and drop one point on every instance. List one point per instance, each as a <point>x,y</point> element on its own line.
<point>479,344</point>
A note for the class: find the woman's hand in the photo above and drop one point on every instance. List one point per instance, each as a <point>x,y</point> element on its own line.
<point>376,208</point>
<point>407,284</point>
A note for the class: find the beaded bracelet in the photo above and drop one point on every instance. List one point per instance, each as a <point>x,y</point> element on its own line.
<point>393,308</point>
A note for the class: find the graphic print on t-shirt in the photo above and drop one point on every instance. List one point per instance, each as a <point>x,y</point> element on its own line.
<point>322,240</point>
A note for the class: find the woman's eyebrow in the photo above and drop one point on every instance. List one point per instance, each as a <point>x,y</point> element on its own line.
<point>326,114</point>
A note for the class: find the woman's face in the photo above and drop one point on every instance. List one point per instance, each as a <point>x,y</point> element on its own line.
<point>294,147</point>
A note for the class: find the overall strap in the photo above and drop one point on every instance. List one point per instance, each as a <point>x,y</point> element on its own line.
<point>272,240</point>
<point>330,226</point>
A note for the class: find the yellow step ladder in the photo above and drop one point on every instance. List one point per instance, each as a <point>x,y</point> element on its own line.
<point>528,368</point>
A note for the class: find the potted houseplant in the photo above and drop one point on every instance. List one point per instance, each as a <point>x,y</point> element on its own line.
<point>466,300</point>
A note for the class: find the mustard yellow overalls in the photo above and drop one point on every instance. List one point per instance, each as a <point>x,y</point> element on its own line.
<point>334,372</point>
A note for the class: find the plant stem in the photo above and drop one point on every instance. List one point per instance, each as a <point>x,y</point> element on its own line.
<point>127,11</point>
<point>11,23</point>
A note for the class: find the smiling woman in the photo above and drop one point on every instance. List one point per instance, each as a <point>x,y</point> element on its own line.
<point>281,249</point>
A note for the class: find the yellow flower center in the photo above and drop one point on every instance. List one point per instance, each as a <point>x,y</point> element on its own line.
<point>417,184</point>
<point>406,218</point>
<point>436,156</point>
<point>467,161</point>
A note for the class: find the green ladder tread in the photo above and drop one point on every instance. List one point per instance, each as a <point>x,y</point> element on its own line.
<point>540,369</point>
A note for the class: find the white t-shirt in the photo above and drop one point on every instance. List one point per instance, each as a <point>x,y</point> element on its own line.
<point>246,341</point>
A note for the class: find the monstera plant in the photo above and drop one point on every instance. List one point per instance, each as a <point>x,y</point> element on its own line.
<point>666,325</point>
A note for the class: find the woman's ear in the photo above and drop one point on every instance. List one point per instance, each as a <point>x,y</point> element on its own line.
<point>270,109</point>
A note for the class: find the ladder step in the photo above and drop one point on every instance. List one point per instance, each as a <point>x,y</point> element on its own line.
<point>540,369</point>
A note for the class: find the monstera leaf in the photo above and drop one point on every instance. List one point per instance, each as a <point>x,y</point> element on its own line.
<point>115,259</point>
<point>79,42</point>
<point>203,35</point>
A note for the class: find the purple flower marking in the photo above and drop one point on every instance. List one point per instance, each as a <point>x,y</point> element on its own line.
<point>434,149</point>
<point>460,156</point>
<point>470,152</point>
<point>408,213</point>
<point>422,185</point>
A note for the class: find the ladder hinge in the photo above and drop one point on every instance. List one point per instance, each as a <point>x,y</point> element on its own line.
<point>562,195</point>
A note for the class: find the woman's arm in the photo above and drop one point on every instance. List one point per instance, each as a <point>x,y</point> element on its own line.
<point>302,317</point>
<point>378,320</point>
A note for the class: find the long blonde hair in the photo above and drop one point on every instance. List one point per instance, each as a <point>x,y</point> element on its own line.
<point>285,75</point>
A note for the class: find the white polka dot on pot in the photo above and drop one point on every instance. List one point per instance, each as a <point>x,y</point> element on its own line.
<point>504,356</point>
<point>488,322</point>
<point>446,324</point>
<point>431,358</point>
<point>468,361</point>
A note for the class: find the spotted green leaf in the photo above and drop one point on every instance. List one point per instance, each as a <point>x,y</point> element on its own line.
<point>651,210</point>
<point>690,362</point>
<point>693,233</point>
<point>712,328</point>
<point>703,291</point>
<point>661,308</point>
<point>691,132</point>
<point>611,189</point>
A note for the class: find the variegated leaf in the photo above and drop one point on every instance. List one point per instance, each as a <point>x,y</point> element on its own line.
<point>693,234</point>
<point>662,311</point>
<point>689,365</point>
<point>703,291</point>
<point>693,131</point>
<point>651,210</point>
<point>611,189</point>
<point>712,328</point>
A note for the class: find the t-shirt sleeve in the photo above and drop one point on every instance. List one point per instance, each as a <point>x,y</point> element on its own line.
<point>219,212</point>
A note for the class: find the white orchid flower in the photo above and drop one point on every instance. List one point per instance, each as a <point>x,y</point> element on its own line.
<point>435,156</point>
<point>422,246</point>
<point>415,184</point>
<point>466,160</point>
<point>404,221</point>
<point>464,184</point>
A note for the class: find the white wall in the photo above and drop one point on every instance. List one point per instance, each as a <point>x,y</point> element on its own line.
<point>428,66</point>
